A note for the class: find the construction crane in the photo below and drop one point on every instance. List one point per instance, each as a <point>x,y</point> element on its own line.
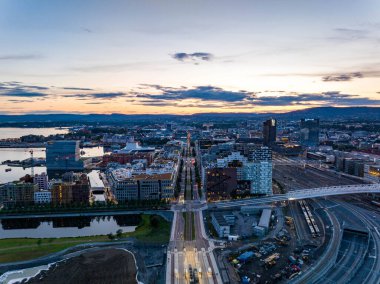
<point>32,162</point>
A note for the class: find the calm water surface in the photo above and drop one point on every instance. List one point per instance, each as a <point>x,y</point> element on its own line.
<point>59,227</point>
<point>23,153</point>
<point>10,132</point>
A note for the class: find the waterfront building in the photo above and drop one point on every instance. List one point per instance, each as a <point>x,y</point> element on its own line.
<point>42,196</point>
<point>63,155</point>
<point>81,190</point>
<point>61,193</point>
<point>17,194</point>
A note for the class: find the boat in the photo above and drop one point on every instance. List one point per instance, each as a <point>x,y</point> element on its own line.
<point>8,170</point>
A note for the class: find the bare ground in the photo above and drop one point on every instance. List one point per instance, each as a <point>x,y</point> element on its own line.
<point>96,267</point>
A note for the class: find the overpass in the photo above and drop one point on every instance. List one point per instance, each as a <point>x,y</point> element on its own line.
<point>300,194</point>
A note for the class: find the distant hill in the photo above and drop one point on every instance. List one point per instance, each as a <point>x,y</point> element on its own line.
<point>326,113</point>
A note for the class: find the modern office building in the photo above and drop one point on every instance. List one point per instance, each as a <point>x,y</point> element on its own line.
<point>309,132</point>
<point>269,131</point>
<point>63,155</point>
<point>259,171</point>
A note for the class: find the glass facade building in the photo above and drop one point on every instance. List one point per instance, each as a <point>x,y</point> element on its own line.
<point>63,155</point>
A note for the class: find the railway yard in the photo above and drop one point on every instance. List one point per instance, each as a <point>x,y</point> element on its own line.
<point>310,235</point>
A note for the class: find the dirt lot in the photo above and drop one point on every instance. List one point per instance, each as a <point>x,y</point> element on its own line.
<point>98,267</point>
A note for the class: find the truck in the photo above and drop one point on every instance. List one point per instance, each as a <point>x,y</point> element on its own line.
<point>292,259</point>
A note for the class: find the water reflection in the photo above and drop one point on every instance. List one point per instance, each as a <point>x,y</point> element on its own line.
<point>67,226</point>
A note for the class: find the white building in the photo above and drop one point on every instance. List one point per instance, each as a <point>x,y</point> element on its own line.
<point>43,196</point>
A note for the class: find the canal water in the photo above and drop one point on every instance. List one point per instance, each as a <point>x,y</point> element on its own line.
<point>60,227</point>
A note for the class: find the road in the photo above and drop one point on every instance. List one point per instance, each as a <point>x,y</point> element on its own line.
<point>189,245</point>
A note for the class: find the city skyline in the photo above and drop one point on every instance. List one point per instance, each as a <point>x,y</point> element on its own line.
<point>146,57</point>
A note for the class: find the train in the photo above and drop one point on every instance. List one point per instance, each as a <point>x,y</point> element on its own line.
<point>313,227</point>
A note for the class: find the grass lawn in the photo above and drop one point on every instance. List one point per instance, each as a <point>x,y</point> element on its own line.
<point>25,249</point>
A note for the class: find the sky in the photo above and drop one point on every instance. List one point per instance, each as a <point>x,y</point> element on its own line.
<point>183,57</point>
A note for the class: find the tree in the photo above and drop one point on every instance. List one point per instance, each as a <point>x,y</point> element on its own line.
<point>154,221</point>
<point>119,233</point>
<point>110,236</point>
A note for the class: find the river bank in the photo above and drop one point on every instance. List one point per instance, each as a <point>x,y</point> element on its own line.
<point>152,229</point>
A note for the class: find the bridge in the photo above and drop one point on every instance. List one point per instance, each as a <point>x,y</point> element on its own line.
<point>300,194</point>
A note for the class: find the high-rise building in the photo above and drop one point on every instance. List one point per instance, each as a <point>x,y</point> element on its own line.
<point>269,131</point>
<point>309,132</point>
<point>41,181</point>
<point>259,171</point>
<point>63,155</point>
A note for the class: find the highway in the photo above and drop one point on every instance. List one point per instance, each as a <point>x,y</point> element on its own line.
<point>190,249</point>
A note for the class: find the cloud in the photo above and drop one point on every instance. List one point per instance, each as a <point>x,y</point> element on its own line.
<point>77,89</point>
<point>20,101</point>
<point>87,30</point>
<point>21,93</point>
<point>19,57</point>
<point>17,89</point>
<point>347,34</point>
<point>216,97</point>
<point>15,84</point>
<point>89,96</point>
<point>203,93</point>
<point>342,77</point>
<point>192,57</point>
<point>321,99</point>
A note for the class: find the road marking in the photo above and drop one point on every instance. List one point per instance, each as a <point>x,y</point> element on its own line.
<point>377,231</point>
